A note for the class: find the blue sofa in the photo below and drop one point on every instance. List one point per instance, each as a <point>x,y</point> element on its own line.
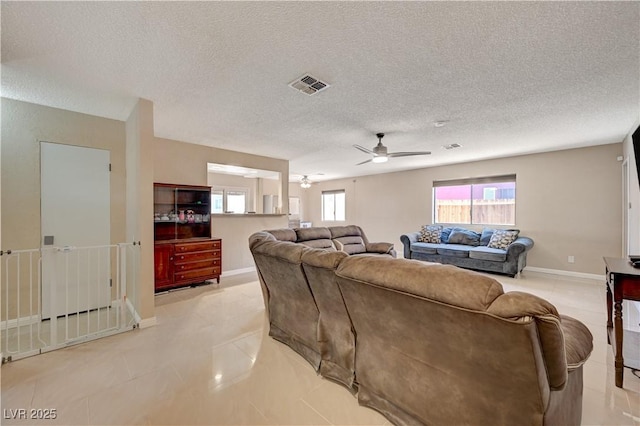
<point>480,257</point>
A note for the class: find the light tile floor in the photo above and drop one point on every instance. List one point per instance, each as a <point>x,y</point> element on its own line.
<point>210,361</point>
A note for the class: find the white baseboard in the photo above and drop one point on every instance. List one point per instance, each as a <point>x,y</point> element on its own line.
<point>13,323</point>
<point>597,277</point>
<point>237,271</point>
<point>147,322</point>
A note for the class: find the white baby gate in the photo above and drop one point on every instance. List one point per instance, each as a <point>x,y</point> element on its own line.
<point>89,293</point>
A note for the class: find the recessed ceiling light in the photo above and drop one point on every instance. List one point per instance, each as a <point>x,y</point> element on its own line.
<point>439,123</point>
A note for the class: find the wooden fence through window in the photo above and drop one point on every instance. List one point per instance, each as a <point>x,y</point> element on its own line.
<point>494,212</point>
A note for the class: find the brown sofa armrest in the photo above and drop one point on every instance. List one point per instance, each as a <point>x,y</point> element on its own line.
<point>578,341</point>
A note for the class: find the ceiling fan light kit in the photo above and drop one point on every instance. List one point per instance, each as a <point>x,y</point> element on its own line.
<point>380,155</point>
<point>305,182</point>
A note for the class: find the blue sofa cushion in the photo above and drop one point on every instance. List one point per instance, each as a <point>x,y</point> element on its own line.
<point>486,236</point>
<point>455,250</point>
<point>427,248</point>
<point>487,253</point>
<point>465,237</point>
<point>446,232</point>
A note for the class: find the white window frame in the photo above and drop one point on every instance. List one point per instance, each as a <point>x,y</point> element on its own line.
<point>334,216</point>
<point>225,194</point>
<point>470,182</point>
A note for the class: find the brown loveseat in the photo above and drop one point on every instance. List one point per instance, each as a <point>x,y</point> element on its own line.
<point>424,344</point>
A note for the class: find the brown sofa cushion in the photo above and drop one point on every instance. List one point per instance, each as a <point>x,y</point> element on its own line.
<point>578,341</point>
<point>348,239</point>
<point>350,245</point>
<point>443,283</point>
<point>284,234</point>
<point>315,237</point>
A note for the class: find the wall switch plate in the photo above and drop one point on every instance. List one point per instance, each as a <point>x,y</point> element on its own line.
<point>571,259</point>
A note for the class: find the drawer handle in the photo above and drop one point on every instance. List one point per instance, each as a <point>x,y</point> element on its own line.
<point>181,257</point>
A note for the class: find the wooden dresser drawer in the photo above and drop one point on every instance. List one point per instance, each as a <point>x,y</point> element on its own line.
<point>198,246</point>
<point>194,257</point>
<point>205,263</point>
<point>197,274</point>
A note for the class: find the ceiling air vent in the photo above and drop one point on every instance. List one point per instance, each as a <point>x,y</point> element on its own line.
<point>452,146</point>
<point>308,85</point>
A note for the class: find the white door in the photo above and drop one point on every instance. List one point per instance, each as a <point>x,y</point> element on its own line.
<point>75,214</point>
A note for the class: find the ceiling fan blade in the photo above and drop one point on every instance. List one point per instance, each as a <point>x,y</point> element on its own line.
<point>408,154</point>
<point>364,162</point>
<point>363,149</point>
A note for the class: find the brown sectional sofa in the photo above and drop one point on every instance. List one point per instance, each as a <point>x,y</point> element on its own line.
<point>350,239</point>
<point>422,343</point>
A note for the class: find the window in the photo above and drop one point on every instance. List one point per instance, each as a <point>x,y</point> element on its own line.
<point>229,200</point>
<point>478,201</point>
<point>333,205</point>
<point>294,206</point>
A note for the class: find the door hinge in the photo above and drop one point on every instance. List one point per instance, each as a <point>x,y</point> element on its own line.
<point>109,166</point>
<point>110,282</point>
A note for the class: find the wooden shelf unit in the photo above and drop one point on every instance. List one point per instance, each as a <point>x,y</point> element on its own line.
<point>185,253</point>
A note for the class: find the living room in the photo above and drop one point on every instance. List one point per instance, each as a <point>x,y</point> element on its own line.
<point>570,197</point>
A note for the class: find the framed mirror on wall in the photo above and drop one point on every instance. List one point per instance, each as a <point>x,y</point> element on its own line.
<point>244,190</point>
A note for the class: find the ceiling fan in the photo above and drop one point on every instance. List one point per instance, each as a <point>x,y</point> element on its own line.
<point>380,154</point>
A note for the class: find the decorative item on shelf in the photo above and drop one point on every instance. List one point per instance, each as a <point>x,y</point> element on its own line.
<point>206,218</point>
<point>156,216</point>
<point>198,218</point>
<point>173,216</point>
<point>191,218</point>
<point>164,217</point>
<point>181,215</point>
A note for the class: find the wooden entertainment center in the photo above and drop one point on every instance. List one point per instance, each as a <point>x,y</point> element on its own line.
<point>185,252</point>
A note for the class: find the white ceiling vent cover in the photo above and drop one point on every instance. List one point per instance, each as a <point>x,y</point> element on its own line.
<point>452,146</point>
<point>308,85</point>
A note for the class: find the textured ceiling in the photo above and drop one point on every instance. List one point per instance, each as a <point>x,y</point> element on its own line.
<point>508,77</point>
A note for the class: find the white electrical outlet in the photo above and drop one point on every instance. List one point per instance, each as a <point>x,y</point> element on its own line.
<point>571,259</point>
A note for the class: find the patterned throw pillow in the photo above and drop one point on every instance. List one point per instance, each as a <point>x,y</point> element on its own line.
<point>430,234</point>
<point>501,238</point>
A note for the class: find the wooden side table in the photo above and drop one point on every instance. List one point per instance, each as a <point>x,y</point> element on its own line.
<point>623,282</point>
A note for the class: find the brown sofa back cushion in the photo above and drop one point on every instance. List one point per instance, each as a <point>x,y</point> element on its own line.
<point>335,334</point>
<point>349,238</point>
<point>284,234</point>
<point>315,237</point>
<point>443,283</point>
<point>292,308</point>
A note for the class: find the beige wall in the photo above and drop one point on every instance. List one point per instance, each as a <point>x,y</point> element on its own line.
<point>185,163</point>
<point>633,208</point>
<point>24,125</point>
<point>139,226</point>
<point>568,201</point>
